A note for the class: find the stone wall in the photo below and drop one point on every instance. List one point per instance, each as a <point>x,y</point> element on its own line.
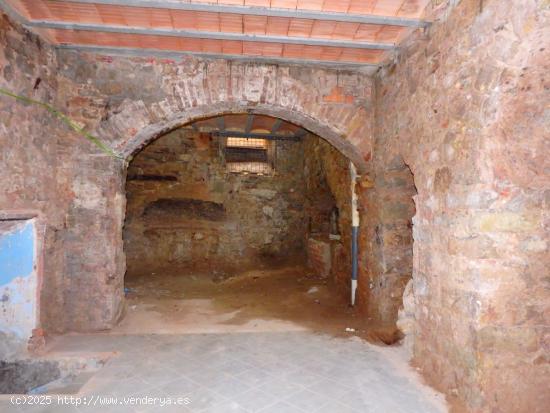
<point>74,191</point>
<point>463,106</point>
<point>464,109</point>
<point>386,259</point>
<point>185,208</point>
<point>327,182</point>
<point>319,256</point>
<point>128,102</point>
<point>29,140</point>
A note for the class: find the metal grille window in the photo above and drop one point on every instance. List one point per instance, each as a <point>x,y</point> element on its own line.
<point>253,143</point>
<point>250,155</point>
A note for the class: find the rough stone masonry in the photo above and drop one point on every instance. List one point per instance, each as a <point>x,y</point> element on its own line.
<point>459,122</point>
<point>186,209</point>
<point>466,109</point>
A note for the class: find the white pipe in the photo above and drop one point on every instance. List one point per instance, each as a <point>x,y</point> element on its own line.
<point>353,291</point>
<point>354,231</point>
<point>354,210</point>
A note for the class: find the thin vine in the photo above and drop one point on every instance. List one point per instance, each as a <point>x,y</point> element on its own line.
<point>65,119</point>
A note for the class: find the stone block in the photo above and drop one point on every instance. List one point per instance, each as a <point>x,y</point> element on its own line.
<point>319,256</point>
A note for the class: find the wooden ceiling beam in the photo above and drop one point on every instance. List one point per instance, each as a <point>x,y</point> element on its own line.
<point>276,125</point>
<point>249,123</point>
<point>220,121</point>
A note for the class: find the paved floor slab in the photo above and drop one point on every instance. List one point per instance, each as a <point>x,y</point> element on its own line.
<point>245,372</point>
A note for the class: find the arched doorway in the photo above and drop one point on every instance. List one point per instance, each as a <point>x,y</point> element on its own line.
<point>307,121</point>
<point>226,208</point>
<point>334,104</point>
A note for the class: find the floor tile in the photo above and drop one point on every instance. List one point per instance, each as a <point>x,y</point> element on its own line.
<point>308,400</point>
<point>296,372</point>
<point>280,388</point>
<point>254,400</point>
<point>335,407</point>
<point>203,399</point>
<point>282,407</point>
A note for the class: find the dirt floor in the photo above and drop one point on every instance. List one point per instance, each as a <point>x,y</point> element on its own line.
<point>281,297</point>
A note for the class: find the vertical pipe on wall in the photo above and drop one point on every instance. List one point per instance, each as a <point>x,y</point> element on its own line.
<point>354,231</point>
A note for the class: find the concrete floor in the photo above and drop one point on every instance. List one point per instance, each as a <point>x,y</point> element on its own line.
<point>249,372</point>
<point>231,347</point>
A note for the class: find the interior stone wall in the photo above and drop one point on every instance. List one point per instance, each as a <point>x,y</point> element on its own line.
<point>386,259</point>
<point>128,102</point>
<point>463,106</point>
<point>328,186</point>
<point>28,159</point>
<point>185,208</point>
<point>74,191</point>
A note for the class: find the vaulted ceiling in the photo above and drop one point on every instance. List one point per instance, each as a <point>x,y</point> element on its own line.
<point>249,126</point>
<point>329,32</point>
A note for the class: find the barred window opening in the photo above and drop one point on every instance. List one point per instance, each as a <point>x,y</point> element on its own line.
<point>249,155</point>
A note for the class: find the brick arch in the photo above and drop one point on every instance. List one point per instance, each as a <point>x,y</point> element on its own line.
<point>136,100</point>
<point>326,132</point>
<point>334,104</point>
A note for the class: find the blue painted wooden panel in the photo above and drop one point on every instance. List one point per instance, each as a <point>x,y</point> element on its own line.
<point>16,253</point>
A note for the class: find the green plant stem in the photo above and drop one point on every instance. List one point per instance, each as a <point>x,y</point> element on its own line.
<point>72,124</point>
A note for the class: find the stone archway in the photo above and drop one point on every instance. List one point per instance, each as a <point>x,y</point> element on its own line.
<point>328,133</point>
<point>162,95</point>
<point>152,132</point>
<point>157,97</point>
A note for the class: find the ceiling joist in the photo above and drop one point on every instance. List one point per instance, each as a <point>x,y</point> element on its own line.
<point>175,54</point>
<point>153,28</point>
<point>196,34</point>
<point>249,123</point>
<point>221,123</point>
<point>265,11</point>
<point>276,126</point>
